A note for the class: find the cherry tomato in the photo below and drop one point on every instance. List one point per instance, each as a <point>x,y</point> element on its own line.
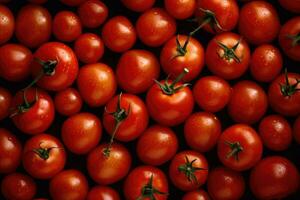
<point>68,102</point>
<point>138,5</point>
<point>296,130</point>
<point>5,102</point>
<point>102,193</point>
<point>72,2</point>
<point>291,5</point>
<point>180,9</point>
<point>7,24</point>
<point>196,195</point>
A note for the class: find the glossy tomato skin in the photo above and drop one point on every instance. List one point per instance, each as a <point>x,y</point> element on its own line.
<point>96,84</point>
<point>157,145</point>
<point>43,167</point>
<point>5,102</point>
<point>296,130</point>
<point>250,142</point>
<point>193,59</point>
<point>180,9</point>
<point>72,2</point>
<point>7,24</point>
<point>212,93</point>
<point>68,102</point>
<point>155,27</point>
<point>102,193</point>
<point>138,5</point>
<point>69,184</point>
<point>33,25</point>
<point>291,5</point>
<point>202,131</point>
<point>274,177</point>
<point>136,70</point>
<point>225,184</point>
<point>196,195</point>
<point>108,169</point>
<point>10,151</point>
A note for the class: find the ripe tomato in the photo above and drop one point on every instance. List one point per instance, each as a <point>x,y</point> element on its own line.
<point>67,19</point>
<point>239,147</point>
<point>18,186</point>
<point>212,93</point>
<point>136,70</point>
<point>275,132</point>
<point>138,5</point>
<point>7,24</point>
<point>266,63</point>
<point>274,177</point>
<point>180,9</point>
<point>43,156</point>
<point>296,130</point>
<point>155,26</point>
<point>89,48</point>
<point>224,183</point>
<point>102,193</point>
<point>33,25</point>
<point>157,145</point>
<point>118,34</point>
<point>259,22</point>
<point>69,184</point>
<point>5,102</point>
<point>248,102</point>
<point>109,169</point>
<point>32,111</point>
<point>202,131</point>
<point>188,170</point>
<point>291,5</point>
<point>196,195</point>
<point>179,52</point>
<point>10,151</point>
<point>146,182</point>
<point>227,55</point>
<point>81,132</point>
<point>72,2</point>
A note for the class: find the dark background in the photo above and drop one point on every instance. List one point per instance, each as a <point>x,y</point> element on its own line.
<point>110,58</point>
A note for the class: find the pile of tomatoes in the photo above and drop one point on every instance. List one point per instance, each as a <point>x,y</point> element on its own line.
<point>149,100</point>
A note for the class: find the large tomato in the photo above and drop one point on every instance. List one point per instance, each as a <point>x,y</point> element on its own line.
<point>102,193</point>
<point>180,9</point>
<point>196,195</point>
<point>138,5</point>
<point>7,24</point>
<point>5,102</point>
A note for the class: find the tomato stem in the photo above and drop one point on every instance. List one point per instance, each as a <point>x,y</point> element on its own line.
<point>229,53</point>
<point>295,38</point>
<point>189,170</point>
<point>236,148</point>
<point>287,89</point>
<point>148,191</point>
<point>44,153</point>
<point>181,50</point>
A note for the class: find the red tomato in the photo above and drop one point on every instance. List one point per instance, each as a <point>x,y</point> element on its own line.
<point>188,170</point>
<point>138,5</point>
<point>291,5</point>
<point>18,186</point>
<point>102,193</point>
<point>202,131</point>
<point>136,70</point>
<point>239,147</point>
<point>274,177</point>
<point>118,34</point>
<point>146,182</point>
<point>266,63</point>
<point>296,130</point>
<point>157,145</point>
<point>69,184</point>
<point>196,195</point>
<point>259,22</point>
<point>7,24</point>
<point>5,102</point>
<point>33,25</point>
<point>89,48</point>
<point>212,93</point>
<point>96,84</point>
<point>182,52</point>
<point>225,184</point>
<point>43,156</point>
<point>72,2</point>
<point>180,9</point>
<point>155,26</point>
<point>10,151</point>
<point>227,55</point>
<point>68,102</point>
<point>248,102</point>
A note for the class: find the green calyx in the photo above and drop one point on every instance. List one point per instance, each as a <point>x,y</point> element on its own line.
<point>229,53</point>
<point>295,39</point>
<point>181,50</point>
<point>43,153</point>
<point>148,191</point>
<point>287,89</point>
<point>236,148</point>
<point>189,170</point>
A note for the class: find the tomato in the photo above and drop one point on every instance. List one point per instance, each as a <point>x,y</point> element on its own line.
<point>33,25</point>
<point>291,5</point>
<point>72,2</point>
<point>5,101</point>
<point>105,169</point>
<point>239,147</point>
<point>32,111</point>
<point>7,24</point>
<point>274,177</point>
<point>157,145</point>
<point>138,5</point>
<point>102,193</point>
<point>10,151</point>
<point>136,70</point>
<point>18,186</point>
<point>227,55</point>
<point>69,184</point>
<point>68,102</point>
<point>155,27</point>
<point>225,184</point>
<point>182,51</point>
<point>15,61</point>
<point>275,132</point>
<point>96,84</point>
<point>146,182</point>
<point>289,38</point>
<point>180,9</point>
<point>43,156</point>
<point>212,93</point>
<point>202,131</point>
<point>196,195</point>
<point>81,132</point>
<point>248,102</point>
<point>118,34</point>
<point>89,48</point>
<point>188,170</point>
<point>266,63</point>
<point>92,13</point>
<point>296,130</point>
<point>66,26</point>
<point>259,22</point>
